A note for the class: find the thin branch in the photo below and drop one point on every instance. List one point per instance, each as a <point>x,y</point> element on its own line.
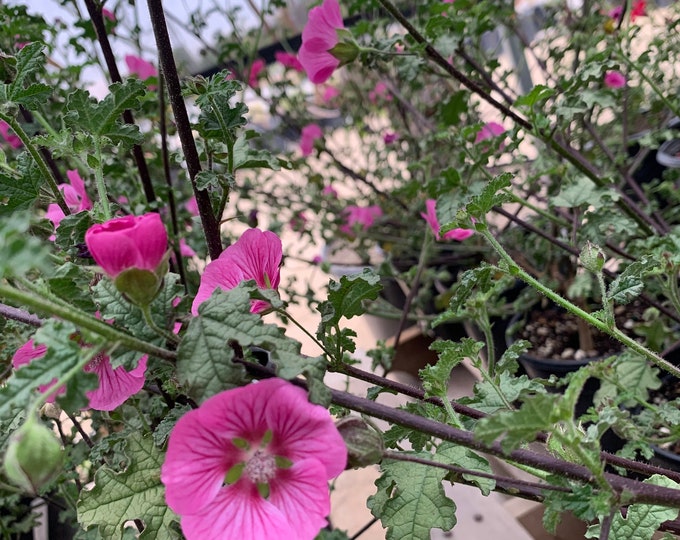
<point>97,19</point>
<point>16,314</point>
<point>211,227</point>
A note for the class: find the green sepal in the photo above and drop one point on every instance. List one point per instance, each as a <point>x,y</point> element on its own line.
<point>263,489</point>
<point>282,462</point>
<point>240,443</point>
<point>234,474</point>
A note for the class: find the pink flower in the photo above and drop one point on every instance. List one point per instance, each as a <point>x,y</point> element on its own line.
<point>108,14</point>
<point>317,259</point>
<point>128,242</point>
<point>615,13</point>
<point>75,196</point>
<point>362,215</point>
<point>256,255</point>
<point>185,249</point>
<point>115,385</point>
<point>389,137</point>
<point>329,191</point>
<point>310,133</point>
<point>10,138</point>
<point>253,462</point>
<point>329,93</point>
<point>488,131</point>
<point>639,9</point>
<point>318,38</point>
<point>433,222</point>
<point>192,206</point>
<point>255,69</point>
<point>380,92</point>
<point>298,222</point>
<point>141,68</point>
<point>289,60</point>
<point>28,352</point>
<point>614,79</point>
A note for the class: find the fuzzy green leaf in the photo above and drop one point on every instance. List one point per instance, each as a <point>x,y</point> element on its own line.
<point>410,500</point>
<point>102,118</point>
<point>486,395</point>
<point>29,60</point>
<point>492,195</point>
<point>19,193</point>
<point>460,456</point>
<point>205,358</point>
<point>436,377</point>
<point>642,520</point>
<point>136,493</point>
<point>538,413</point>
<point>634,375</point>
<point>246,157</point>
<point>630,284</point>
<point>346,297</point>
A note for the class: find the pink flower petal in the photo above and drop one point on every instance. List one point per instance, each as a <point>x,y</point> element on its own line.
<point>115,385</point>
<point>318,37</point>
<point>255,69</point>
<point>10,138</point>
<point>288,60</point>
<point>614,79</point>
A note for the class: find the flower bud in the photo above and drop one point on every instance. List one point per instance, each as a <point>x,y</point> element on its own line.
<point>33,457</point>
<point>592,258</point>
<point>364,444</point>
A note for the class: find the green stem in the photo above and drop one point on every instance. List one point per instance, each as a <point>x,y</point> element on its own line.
<point>306,332</point>
<point>99,181</point>
<point>515,270</point>
<point>673,293</point>
<point>148,319</point>
<point>385,53</point>
<point>39,161</point>
<point>83,320</point>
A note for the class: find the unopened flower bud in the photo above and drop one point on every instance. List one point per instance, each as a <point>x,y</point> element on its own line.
<point>364,444</point>
<point>592,258</point>
<point>33,457</point>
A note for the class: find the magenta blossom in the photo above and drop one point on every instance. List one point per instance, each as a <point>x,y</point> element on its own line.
<point>191,206</point>
<point>289,60</point>
<point>256,68</point>
<point>379,93</point>
<point>75,196</point>
<point>639,9</point>
<point>431,218</point>
<point>141,68</point>
<point>310,133</point>
<point>253,462</point>
<point>614,79</point>
<point>318,38</point>
<point>28,352</point>
<point>299,222</point>
<point>616,12</point>
<point>389,137</point>
<point>362,215</point>
<point>329,93</point>
<point>115,385</point>
<point>329,191</point>
<point>10,138</point>
<point>128,242</point>
<point>256,255</point>
<point>108,14</point>
<point>488,131</point>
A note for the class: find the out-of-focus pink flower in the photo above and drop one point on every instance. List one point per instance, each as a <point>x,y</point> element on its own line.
<point>185,249</point>
<point>488,131</point>
<point>289,60</point>
<point>318,38</point>
<point>28,352</point>
<point>431,217</point>
<point>10,138</point>
<point>310,133</point>
<point>615,13</point>
<point>256,68</point>
<point>115,385</point>
<point>192,206</point>
<point>380,92</point>
<point>362,215</point>
<point>639,9</point>
<point>108,14</point>
<point>389,137</point>
<point>329,191</point>
<point>277,453</point>
<point>298,222</point>
<point>614,79</point>
<point>141,68</point>
<point>329,93</point>
<point>256,255</point>
<point>128,242</point>
<point>318,259</point>
<point>75,196</point>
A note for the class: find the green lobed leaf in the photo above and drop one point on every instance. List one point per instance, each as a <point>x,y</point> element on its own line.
<point>205,358</point>
<point>21,191</point>
<point>28,60</point>
<point>436,377</point>
<point>538,93</point>
<point>136,493</point>
<point>103,118</point>
<point>346,297</point>
<point>460,456</point>
<point>486,395</point>
<point>410,500</point>
<point>492,195</point>
<point>246,157</point>
<point>633,375</point>
<point>642,520</point>
<point>629,284</point>
<point>538,413</point>
<point>63,353</point>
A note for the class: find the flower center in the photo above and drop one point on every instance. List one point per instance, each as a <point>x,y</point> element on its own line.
<point>94,363</point>
<point>261,467</point>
